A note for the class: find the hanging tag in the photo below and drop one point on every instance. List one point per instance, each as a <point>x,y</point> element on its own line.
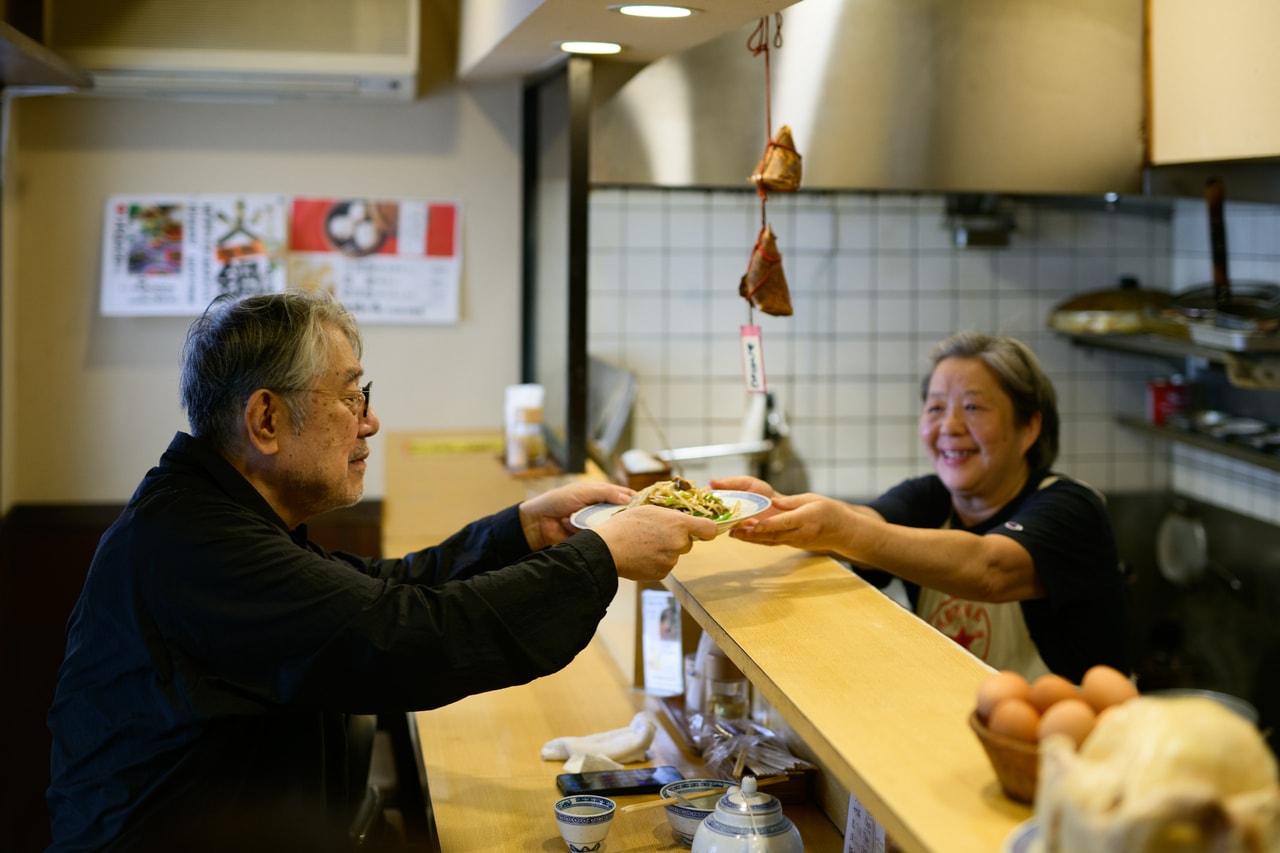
<point>753,360</point>
<point>861,833</point>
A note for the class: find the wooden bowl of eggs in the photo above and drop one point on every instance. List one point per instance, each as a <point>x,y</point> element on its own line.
<point>1013,715</point>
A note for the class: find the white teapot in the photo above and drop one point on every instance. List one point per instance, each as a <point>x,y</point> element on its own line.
<point>747,821</point>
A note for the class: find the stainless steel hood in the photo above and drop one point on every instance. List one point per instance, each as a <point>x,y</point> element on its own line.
<point>993,96</point>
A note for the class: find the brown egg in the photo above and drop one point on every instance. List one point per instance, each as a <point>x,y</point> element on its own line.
<point>1103,686</point>
<point>999,686</point>
<point>1014,718</point>
<point>1071,717</point>
<point>1051,688</point>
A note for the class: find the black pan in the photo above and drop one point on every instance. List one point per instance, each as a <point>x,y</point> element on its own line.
<point>1252,306</point>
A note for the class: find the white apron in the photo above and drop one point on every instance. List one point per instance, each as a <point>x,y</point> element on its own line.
<point>995,633</point>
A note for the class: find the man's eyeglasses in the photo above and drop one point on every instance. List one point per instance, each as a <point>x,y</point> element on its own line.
<point>356,401</point>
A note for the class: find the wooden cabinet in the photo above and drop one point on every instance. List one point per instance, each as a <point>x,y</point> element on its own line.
<point>1215,80</point>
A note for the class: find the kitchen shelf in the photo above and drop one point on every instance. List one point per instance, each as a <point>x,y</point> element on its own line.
<point>1162,346</point>
<point>1203,442</point>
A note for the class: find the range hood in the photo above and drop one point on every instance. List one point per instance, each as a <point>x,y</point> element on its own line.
<point>957,96</point>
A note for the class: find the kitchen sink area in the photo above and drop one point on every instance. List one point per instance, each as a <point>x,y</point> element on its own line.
<point>1218,631</point>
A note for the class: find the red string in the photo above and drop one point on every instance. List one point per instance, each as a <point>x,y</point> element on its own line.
<point>759,42</point>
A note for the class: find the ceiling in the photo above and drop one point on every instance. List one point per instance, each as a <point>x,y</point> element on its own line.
<point>502,38</point>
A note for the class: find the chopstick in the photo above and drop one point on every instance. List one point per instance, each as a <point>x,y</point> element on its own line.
<point>696,795</point>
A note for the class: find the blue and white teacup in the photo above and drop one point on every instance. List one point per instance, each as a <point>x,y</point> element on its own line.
<point>584,821</point>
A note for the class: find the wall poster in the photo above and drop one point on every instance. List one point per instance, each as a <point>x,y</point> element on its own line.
<point>388,261</point>
<point>171,255</point>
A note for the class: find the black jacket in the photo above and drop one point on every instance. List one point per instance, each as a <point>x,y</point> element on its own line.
<point>213,654</point>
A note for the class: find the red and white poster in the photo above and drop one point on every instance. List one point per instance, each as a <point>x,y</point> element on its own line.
<point>387,261</point>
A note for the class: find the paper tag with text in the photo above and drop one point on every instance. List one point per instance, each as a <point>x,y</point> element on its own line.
<point>861,833</point>
<point>753,360</point>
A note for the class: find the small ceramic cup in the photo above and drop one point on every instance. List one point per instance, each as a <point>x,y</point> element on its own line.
<point>584,821</point>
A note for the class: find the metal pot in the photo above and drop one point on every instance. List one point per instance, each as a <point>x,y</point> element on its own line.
<point>1243,306</point>
<point>1242,707</point>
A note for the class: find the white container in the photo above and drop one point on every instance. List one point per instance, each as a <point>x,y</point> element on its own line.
<point>747,821</point>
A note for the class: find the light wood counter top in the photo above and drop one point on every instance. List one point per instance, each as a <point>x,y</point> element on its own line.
<point>491,790</point>
<point>873,696</point>
<point>879,698</point>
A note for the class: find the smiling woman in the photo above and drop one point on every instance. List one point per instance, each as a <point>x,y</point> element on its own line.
<point>1012,560</point>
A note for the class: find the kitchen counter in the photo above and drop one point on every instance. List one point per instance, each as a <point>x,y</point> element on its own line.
<point>866,691</point>
<point>879,700</point>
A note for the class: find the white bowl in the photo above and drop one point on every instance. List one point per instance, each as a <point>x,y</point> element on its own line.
<point>684,819</point>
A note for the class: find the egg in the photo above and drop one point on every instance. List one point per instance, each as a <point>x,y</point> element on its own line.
<point>1103,687</point>
<point>998,686</point>
<point>1071,717</point>
<point>1051,688</point>
<point>1014,718</point>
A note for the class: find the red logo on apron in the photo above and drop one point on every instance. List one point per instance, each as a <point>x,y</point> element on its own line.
<point>966,622</point>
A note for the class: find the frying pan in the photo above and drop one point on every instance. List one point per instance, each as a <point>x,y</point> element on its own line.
<point>1124,309</point>
<point>1248,306</point>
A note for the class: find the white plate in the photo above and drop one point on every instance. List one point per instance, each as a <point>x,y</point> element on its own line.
<point>748,504</point>
<point>1025,838</point>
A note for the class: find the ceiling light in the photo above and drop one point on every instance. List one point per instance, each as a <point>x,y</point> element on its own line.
<point>591,47</point>
<point>652,11</point>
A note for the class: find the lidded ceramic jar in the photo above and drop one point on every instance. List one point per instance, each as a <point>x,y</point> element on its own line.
<point>747,821</point>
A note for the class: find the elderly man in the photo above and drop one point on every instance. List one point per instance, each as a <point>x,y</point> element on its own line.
<point>214,652</point>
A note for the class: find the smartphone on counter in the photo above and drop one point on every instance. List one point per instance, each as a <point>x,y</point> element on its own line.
<point>608,783</point>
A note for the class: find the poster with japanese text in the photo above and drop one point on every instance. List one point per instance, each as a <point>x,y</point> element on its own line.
<point>170,255</point>
<point>386,261</point>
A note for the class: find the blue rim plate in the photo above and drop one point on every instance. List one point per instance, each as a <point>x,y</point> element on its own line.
<point>748,504</point>
<point>1025,838</point>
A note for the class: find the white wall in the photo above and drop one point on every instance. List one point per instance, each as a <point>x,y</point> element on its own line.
<point>93,400</point>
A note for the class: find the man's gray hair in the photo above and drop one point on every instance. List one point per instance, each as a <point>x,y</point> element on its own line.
<point>1022,378</point>
<point>277,341</point>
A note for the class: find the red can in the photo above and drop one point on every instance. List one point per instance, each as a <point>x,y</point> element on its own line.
<point>1167,395</point>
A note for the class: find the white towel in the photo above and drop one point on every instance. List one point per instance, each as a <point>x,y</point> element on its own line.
<point>586,763</point>
<point>624,745</point>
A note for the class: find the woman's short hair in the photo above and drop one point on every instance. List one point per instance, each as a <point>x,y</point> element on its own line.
<point>277,341</point>
<point>1022,378</point>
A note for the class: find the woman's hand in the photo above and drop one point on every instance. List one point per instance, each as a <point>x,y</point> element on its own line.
<point>811,522</point>
<point>745,484</point>
<point>545,518</point>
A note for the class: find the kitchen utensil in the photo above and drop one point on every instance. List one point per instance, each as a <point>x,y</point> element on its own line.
<point>1242,707</point>
<point>1125,309</point>
<point>1182,551</point>
<point>1255,312</point>
<point>1181,548</point>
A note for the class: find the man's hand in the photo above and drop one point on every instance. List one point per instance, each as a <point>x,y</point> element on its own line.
<point>646,541</point>
<point>545,519</point>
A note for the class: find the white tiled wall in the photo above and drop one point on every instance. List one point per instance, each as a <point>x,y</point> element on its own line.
<point>875,281</point>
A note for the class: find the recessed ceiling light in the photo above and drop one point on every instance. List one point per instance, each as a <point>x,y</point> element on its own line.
<point>592,47</point>
<point>654,11</point>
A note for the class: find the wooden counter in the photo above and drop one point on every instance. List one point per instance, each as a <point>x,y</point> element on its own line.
<point>879,699</point>
<point>868,692</point>
<point>491,790</point>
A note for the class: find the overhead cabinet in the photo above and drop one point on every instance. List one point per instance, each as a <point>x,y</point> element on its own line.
<point>1215,80</point>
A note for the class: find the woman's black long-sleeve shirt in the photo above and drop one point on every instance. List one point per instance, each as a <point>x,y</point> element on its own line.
<point>214,654</point>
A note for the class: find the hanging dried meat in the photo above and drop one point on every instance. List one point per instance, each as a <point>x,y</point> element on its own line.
<point>765,284</point>
<point>779,167</point>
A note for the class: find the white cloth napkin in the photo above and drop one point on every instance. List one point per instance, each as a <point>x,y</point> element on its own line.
<point>621,745</point>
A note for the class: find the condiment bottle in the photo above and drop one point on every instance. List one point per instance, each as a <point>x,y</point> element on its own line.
<point>726,691</point>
